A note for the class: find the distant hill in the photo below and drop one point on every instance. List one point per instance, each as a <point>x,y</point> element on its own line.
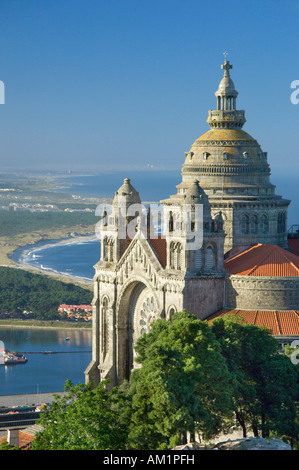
<point>24,291</point>
<point>15,222</point>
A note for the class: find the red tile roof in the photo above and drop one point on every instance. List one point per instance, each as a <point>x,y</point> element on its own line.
<point>264,260</point>
<point>281,323</point>
<point>25,438</point>
<point>159,246</point>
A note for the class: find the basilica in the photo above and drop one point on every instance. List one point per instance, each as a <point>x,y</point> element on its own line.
<point>243,264</point>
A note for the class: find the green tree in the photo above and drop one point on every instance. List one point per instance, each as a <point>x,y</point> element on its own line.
<point>83,419</point>
<point>264,381</point>
<point>292,353</point>
<point>6,446</point>
<point>21,290</point>
<point>182,386</point>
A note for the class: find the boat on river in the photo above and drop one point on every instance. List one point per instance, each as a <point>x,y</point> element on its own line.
<point>11,358</point>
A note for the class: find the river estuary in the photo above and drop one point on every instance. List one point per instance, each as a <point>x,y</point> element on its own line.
<point>44,372</point>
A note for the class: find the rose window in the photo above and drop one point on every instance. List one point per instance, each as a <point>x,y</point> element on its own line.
<point>147,314</point>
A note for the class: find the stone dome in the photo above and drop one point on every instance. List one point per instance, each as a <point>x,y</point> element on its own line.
<point>226,86</point>
<point>226,155</point>
<point>222,156</point>
<point>196,195</point>
<point>225,134</point>
<point>227,147</point>
<point>233,171</point>
<point>126,194</point>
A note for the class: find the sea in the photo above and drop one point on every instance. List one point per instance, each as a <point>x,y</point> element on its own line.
<point>154,185</point>
<point>48,372</point>
<point>69,257</point>
<point>76,258</point>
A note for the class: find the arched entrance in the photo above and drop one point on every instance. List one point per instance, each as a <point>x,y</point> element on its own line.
<point>138,307</point>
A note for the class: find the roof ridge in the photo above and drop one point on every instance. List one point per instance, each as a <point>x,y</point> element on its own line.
<point>261,258</point>
<point>243,252</point>
<point>287,258</point>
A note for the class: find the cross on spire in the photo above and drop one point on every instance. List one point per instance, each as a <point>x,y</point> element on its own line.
<point>226,66</point>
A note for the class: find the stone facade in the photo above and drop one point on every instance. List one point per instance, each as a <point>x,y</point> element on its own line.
<point>262,293</point>
<point>141,277</point>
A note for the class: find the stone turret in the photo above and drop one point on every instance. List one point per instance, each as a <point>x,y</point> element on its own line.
<point>114,229</point>
<point>226,116</point>
<point>195,240</point>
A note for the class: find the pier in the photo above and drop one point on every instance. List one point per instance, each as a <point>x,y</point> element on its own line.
<point>53,352</point>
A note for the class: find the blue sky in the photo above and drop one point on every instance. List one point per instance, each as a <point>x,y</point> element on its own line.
<point>123,83</point>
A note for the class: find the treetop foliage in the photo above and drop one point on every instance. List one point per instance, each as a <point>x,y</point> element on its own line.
<point>189,378</point>
<point>21,290</point>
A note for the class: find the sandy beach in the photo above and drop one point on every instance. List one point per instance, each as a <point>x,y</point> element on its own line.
<point>32,241</point>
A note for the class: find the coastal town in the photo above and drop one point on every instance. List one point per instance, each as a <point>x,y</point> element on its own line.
<point>54,199</point>
<point>76,312</point>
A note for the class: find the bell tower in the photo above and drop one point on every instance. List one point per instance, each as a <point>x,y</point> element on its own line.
<point>195,249</point>
<point>114,225</point>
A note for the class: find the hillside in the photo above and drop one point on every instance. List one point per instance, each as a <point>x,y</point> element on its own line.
<point>40,295</point>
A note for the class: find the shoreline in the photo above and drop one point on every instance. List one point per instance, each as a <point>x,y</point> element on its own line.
<point>63,325</point>
<point>38,243</point>
<point>65,277</point>
<point>45,244</point>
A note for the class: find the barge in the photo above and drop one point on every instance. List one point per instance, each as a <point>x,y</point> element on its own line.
<point>11,358</point>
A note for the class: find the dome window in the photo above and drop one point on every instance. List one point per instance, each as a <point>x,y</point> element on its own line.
<point>225,156</point>
<point>245,155</point>
<point>189,154</point>
<point>206,155</point>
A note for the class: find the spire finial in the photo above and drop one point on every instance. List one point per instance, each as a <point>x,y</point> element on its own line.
<point>226,102</point>
<point>226,66</point>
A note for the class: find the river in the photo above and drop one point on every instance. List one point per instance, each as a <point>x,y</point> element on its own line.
<point>44,372</point>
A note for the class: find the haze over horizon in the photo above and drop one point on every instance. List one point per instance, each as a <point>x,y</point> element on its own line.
<point>127,84</point>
